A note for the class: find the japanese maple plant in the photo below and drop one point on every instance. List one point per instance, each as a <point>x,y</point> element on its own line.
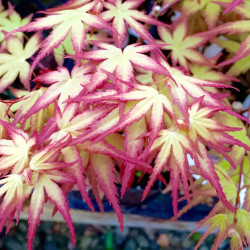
<point>143,95</point>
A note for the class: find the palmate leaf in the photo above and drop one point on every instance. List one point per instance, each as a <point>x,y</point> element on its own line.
<point>185,86</point>
<point>237,153</point>
<point>174,147</point>
<point>104,171</point>
<point>14,63</point>
<point>209,10</point>
<point>202,127</point>
<point>122,13</point>
<point>14,196</point>
<point>47,183</point>
<point>64,21</point>
<point>234,225</point>
<point>72,154</point>
<point>63,84</point>
<point>10,20</point>
<point>219,221</point>
<point>183,47</point>
<point>15,152</point>
<point>121,62</point>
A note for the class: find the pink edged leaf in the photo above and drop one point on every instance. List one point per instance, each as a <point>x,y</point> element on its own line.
<point>175,146</point>
<point>203,128</point>
<point>12,190</point>
<point>72,154</point>
<point>104,169</point>
<point>58,198</point>
<point>121,62</point>
<point>94,186</point>
<point>183,47</point>
<point>15,62</point>
<point>18,136</point>
<point>64,21</point>
<point>236,27</point>
<point>62,85</point>
<point>130,17</point>
<point>208,171</point>
<point>55,194</point>
<point>185,86</point>
<point>15,152</point>
<point>35,210</point>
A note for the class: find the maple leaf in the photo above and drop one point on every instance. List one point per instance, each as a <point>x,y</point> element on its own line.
<point>14,63</point>
<point>72,154</point>
<point>63,84</point>
<point>64,21</point>
<point>15,192</point>
<point>10,20</point>
<point>219,221</point>
<point>104,169</point>
<point>224,222</point>
<point>238,153</point>
<point>210,130</point>
<point>123,12</point>
<point>183,47</point>
<point>209,10</point>
<point>75,125</point>
<point>15,152</point>
<point>45,171</point>
<point>47,182</point>
<point>174,147</point>
<point>120,62</point>
<point>182,86</point>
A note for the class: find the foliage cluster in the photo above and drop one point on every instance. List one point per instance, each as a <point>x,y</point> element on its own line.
<point>129,104</point>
